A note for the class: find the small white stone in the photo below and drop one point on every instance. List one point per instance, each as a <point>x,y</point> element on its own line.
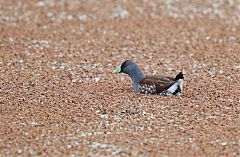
<point>97,79</point>
<point>82,17</point>
<point>40,4</point>
<point>49,14</point>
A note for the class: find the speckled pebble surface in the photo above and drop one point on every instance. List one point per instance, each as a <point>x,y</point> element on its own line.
<point>59,97</point>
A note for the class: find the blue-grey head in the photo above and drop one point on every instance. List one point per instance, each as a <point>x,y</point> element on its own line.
<point>133,71</point>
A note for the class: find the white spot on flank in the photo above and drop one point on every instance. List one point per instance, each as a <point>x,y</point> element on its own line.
<point>181,84</point>
<point>174,87</point>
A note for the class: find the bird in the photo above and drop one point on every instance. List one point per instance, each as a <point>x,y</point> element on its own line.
<point>160,85</point>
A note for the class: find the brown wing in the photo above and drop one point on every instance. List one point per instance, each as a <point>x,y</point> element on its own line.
<point>159,84</point>
<point>161,78</point>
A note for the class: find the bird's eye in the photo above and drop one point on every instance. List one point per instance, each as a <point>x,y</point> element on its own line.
<point>124,64</point>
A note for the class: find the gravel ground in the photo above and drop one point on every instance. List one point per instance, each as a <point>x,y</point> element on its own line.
<point>58,96</point>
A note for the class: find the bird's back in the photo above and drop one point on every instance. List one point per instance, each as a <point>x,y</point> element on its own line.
<point>155,84</point>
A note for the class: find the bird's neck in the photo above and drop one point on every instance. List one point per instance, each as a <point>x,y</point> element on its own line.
<point>136,76</point>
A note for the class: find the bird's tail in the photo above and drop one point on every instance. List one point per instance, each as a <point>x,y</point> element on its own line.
<point>180,75</point>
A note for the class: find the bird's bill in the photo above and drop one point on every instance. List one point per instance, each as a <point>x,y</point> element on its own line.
<point>117,70</point>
